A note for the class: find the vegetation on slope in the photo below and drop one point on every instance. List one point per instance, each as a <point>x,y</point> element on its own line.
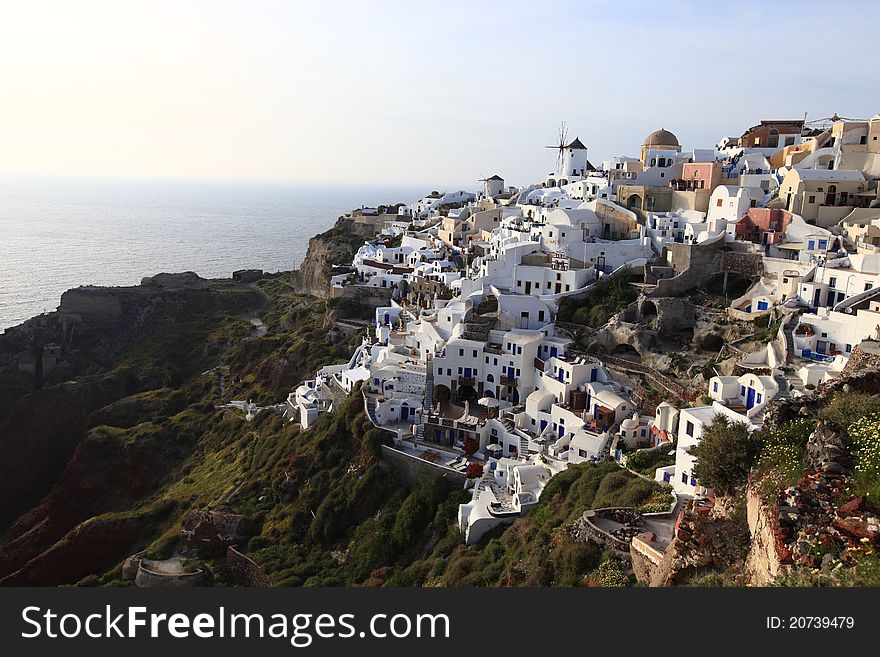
<point>608,296</point>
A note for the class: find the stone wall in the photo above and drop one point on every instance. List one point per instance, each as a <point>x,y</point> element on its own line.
<point>244,571</point>
<point>365,295</point>
<point>865,356</point>
<point>645,559</point>
<point>411,468</point>
<point>762,564</point>
<point>147,578</point>
<point>694,264</point>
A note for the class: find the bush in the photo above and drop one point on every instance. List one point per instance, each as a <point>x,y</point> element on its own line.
<point>845,408</point>
<point>725,455</point>
<point>609,574</point>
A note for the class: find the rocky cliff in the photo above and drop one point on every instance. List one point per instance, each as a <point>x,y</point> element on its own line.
<point>335,247</point>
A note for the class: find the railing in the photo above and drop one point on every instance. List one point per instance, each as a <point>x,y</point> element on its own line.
<point>466,381</point>
<point>508,380</point>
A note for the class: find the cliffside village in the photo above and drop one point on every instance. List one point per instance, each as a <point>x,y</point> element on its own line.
<point>468,367</point>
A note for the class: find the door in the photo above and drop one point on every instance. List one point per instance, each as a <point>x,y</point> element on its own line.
<point>404,413</point>
<point>558,288</point>
<point>553,352</point>
<point>594,374</point>
<point>762,305</point>
<point>750,398</point>
<point>467,372</point>
<point>816,298</point>
<point>528,287</point>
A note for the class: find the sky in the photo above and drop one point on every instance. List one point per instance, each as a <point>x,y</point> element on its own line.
<point>379,92</point>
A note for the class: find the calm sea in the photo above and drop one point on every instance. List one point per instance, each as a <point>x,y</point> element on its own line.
<point>56,234</point>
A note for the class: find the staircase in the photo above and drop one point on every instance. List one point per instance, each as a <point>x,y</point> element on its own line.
<point>784,387</point>
<point>371,409</point>
<point>429,387</point>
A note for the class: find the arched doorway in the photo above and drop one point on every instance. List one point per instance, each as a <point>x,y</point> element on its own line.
<point>829,196</point>
<point>773,139</point>
<point>442,393</point>
<point>626,352</point>
<point>466,394</point>
<point>634,202</point>
<point>649,309</point>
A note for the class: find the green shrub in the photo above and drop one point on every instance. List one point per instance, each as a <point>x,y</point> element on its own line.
<point>725,455</point>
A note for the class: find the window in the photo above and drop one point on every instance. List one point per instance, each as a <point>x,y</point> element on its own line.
<point>715,387</point>
<point>684,477</point>
<point>784,280</point>
<point>832,282</point>
<point>475,354</point>
<point>689,428</point>
<point>461,352</point>
<point>811,199</point>
<point>719,203</point>
<point>540,315</point>
<point>868,286</point>
<point>487,360</point>
<point>849,348</point>
<point>864,139</point>
<point>742,391</point>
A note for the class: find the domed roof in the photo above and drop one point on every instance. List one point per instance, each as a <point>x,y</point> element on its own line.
<point>661,137</point>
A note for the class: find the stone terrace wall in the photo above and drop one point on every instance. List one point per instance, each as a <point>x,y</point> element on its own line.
<point>411,467</point>
<point>244,571</point>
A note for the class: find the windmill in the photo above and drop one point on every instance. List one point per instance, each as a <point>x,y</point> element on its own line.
<point>560,147</point>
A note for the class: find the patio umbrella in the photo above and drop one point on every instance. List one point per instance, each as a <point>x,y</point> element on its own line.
<point>489,402</point>
<point>494,447</point>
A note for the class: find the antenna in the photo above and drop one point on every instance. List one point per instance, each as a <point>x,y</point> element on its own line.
<point>560,147</point>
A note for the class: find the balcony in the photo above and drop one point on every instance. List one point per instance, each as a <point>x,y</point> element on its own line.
<point>509,380</point>
<point>467,381</point>
<point>493,349</point>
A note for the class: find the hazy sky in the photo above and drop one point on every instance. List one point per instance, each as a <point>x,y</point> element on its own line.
<point>440,93</point>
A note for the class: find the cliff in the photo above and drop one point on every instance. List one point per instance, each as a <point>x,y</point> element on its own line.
<point>336,246</point>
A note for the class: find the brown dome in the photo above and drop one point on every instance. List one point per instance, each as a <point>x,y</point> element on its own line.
<point>661,137</point>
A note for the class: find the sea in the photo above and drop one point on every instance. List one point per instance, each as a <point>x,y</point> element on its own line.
<point>60,233</point>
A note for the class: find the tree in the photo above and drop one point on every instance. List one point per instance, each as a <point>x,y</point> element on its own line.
<point>725,455</point>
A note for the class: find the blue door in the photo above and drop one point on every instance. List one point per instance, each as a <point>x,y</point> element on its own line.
<point>561,375</point>
<point>750,398</point>
<point>553,351</point>
<point>467,372</point>
<point>404,413</point>
<point>543,425</point>
<point>594,374</point>
<point>762,305</point>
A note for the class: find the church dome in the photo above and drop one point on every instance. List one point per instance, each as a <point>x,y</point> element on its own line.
<point>661,137</point>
